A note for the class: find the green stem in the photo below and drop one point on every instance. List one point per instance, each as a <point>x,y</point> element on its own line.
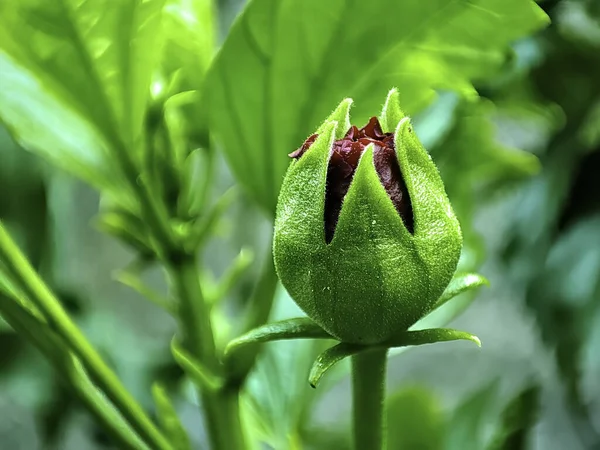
<point>221,408</point>
<point>27,280</point>
<point>368,393</point>
<point>38,334</point>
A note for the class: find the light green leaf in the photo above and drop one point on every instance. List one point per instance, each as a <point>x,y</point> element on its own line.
<point>415,420</point>
<point>298,328</point>
<point>286,64</point>
<point>198,372</point>
<point>79,69</point>
<point>189,40</point>
<point>466,427</point>
<point>168,418</point>
<point>41,123</point>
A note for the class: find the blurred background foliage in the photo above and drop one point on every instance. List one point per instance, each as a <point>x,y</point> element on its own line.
<point>519,150</point>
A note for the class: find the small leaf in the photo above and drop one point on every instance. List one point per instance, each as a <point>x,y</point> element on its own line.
<point>198,372</point>
<point>430,336</point>
<point>298,328</point>
<point>168,419</point>
<point>231,277</point>
<point>134,282</point>
<point>330,358</point>
<point>127,227</point>
<point>203,227</point>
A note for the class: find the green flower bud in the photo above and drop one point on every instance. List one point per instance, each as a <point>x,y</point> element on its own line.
<point>365,238</point>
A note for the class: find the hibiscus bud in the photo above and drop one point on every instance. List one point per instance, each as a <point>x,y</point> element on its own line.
<point>365,238</point>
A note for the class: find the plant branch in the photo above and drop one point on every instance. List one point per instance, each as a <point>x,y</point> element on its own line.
<point>28,281</point>
<point>368,393</point>
<point>221,407</point>
<point>59,356</point>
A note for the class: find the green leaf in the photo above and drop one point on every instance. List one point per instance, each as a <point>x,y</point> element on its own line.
<point>238,268</point>
<point>132,280</point>
<point>80,72</point>
<point>415,420</point>
<point>41,123</point>
<point>198,372</point>
<point>466,427</point>
<point>517,420</point>
<point>299,328</point>
<point>190,37</point>
<point>189,40</point>
<point>286,64</point>
<point>168,419</point>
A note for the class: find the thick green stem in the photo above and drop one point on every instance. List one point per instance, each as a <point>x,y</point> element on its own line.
<point>31,285</point>
<point>368,394</point>
<point>221,408</point>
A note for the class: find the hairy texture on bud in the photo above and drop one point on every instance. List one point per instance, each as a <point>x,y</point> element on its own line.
<point>343,162</point>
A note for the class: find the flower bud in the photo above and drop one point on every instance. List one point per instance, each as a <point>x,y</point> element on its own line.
<point>365,238</point>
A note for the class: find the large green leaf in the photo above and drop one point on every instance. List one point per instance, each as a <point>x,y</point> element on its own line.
<point>75,76</point>
<point>287,63</point>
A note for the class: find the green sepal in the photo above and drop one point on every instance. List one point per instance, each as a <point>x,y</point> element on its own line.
<point>198,372</point>
<point>370,244</point>
<point>430,336</point>
<point>375,278</point>
<point>451,304</point>
<point>299,231</point>
<point>459,284</point>
<point>437,233</point>
<point>391,114</point>
<point>330,358</point>
<point>335,354</point>
<point>341,115</point>
<point>297,328</point>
